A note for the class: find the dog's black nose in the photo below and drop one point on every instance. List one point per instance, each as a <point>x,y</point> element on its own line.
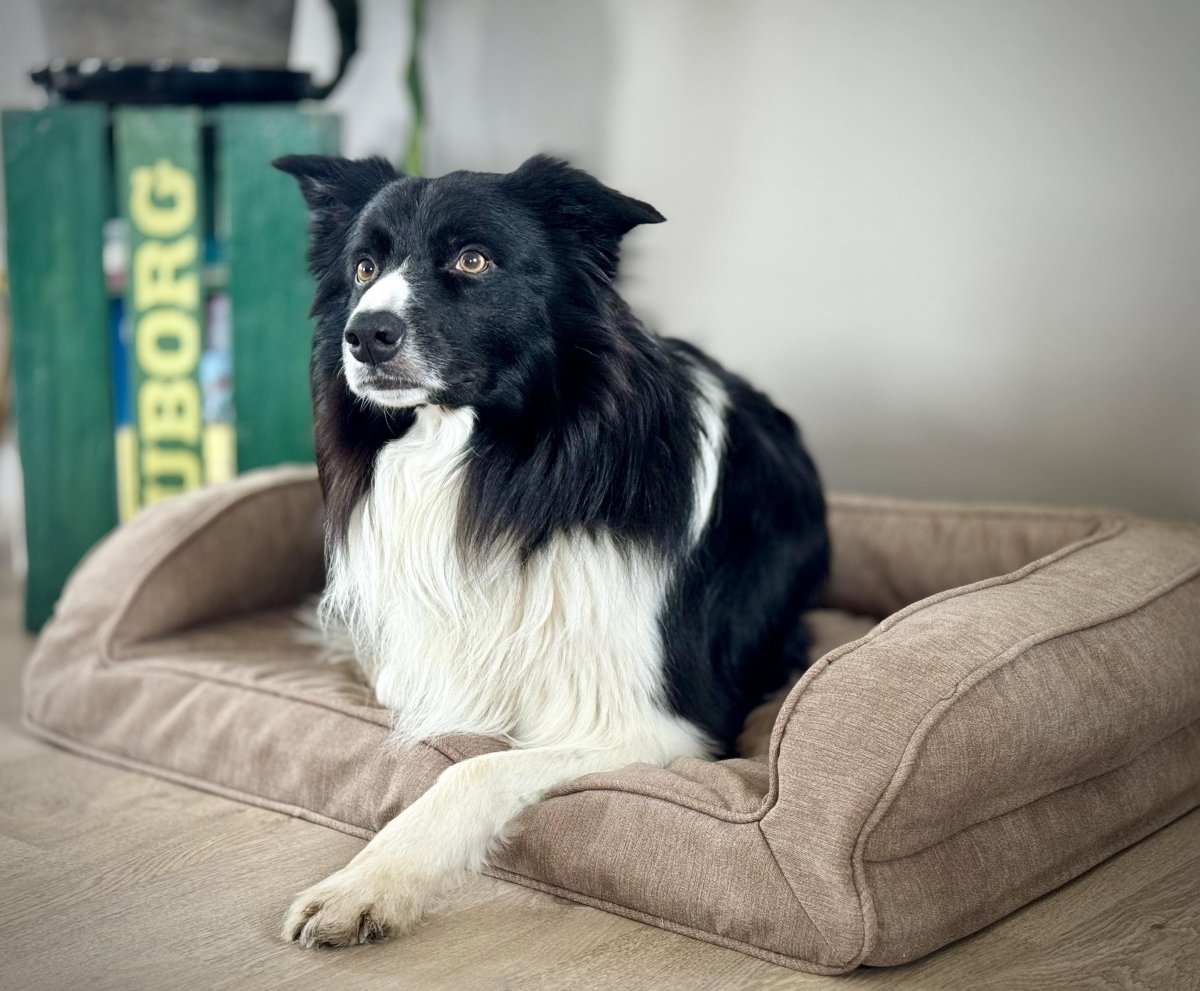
<point>374,337</point>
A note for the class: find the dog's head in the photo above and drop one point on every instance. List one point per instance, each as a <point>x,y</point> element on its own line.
<point>459,290</point>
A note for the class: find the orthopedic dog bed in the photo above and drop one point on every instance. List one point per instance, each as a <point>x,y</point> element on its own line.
<point>1015,697</point>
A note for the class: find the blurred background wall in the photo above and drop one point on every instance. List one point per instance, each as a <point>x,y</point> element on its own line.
<point>959,241</point>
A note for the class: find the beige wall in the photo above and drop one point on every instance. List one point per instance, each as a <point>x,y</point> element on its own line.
<point>959,241</point>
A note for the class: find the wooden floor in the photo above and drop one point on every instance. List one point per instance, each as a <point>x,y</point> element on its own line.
<point>110,879</point>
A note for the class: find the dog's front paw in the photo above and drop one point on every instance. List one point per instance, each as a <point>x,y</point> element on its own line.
<point>352,906</point>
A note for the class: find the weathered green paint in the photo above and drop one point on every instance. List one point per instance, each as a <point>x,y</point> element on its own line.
<point>263,222</point>
<point>160,193</point>
<point>57,187</point>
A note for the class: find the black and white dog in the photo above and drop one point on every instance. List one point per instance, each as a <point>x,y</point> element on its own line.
<point>544,522</point>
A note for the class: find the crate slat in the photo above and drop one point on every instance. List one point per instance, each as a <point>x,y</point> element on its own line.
<point>56,177</point>
<point>160,194</point>
<point>263,222</point>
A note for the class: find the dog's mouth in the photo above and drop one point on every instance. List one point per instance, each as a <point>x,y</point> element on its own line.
<point>394,394</point>
<point>388,388</point>
<point>377,380</point>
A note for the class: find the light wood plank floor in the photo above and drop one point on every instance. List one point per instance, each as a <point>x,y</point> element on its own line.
<point>110,879</point>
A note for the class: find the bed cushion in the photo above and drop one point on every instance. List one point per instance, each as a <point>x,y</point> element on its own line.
<point>1004,697</point>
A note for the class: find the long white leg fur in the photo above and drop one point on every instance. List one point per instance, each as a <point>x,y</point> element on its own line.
<point>448,832</point>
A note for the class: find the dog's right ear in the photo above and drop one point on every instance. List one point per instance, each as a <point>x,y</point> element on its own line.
<point>336,189</point>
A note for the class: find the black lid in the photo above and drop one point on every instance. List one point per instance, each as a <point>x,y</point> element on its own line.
<point>202,81</point>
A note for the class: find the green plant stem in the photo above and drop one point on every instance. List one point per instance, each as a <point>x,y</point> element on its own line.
<point>413,158</point>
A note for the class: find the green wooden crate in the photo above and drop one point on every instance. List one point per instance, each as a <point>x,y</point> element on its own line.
<point>180,178</point>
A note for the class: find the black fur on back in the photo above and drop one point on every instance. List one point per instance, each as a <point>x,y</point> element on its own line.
<point>585,421</point>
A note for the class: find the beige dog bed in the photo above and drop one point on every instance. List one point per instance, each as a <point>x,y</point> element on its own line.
<point>1015,698</point>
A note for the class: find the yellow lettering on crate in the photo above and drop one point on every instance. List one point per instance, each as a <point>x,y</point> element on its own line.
<point>169,410</point>
<point>168,471</point>
<point>167,334</point>
<point>162,199</point>
<point>167,343</point>
<point>164,274</point>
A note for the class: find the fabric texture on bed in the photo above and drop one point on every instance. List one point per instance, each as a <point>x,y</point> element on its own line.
<point>1004,697</point>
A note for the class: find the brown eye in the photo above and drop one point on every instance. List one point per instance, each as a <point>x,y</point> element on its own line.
<point>472,262</point>
<point>365,271</point>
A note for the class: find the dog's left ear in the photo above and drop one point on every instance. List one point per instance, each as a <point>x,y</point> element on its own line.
<point>570,199</point>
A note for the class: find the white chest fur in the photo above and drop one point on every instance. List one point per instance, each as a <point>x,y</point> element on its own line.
<point>564,649</point>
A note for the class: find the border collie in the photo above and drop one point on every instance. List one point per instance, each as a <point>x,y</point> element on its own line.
<point>544,523</point>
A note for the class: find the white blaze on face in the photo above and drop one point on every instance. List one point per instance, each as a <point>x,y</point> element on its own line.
<point>389,293</point>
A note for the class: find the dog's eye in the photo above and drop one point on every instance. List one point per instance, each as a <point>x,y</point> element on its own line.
<point>472,262</point>
<point>365,271</point>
